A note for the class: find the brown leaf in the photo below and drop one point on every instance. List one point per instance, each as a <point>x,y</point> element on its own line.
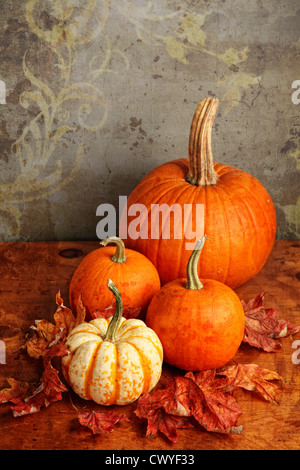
<point>27,398</point>
<point>16,392</point>
<point>253,378</point>
<point>152,407</point>
<point>165,398</point>
<point>64,317</point>
<point>128,312</point>
<point>51,382</point>
<point>30,398</point>
<point>80,311</point>
<point>215,410</point>
<point>263,325</point>
<point>47,342</point>
<point>205,396</point>
<point>47,335</point>
<point>193,396</point>
<point>100,422</point>
<point>48,391</point>
<point>59,349</point>
<point>166,423</point>
<point>105,313</point>
<point>31,403</point>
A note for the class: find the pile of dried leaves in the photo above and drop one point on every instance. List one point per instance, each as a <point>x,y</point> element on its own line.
<point>202,398</point>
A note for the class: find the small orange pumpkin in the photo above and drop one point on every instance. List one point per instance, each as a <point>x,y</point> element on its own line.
<point>135,275</point>
<point>199,323</point>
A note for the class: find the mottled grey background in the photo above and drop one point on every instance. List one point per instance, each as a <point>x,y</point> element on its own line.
<point>100,92</point>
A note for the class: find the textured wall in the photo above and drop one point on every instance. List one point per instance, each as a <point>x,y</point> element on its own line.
<point>99,92</point>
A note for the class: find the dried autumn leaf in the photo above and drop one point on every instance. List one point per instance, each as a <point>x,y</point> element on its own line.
<point>48,335</point>
<point>128,312</point>
<point>100,422</point>
<point>45,334</point>
<point>253,378</point>
<point>59,349</point>
<point>53,387</point>
<point>48,391</point>
<point>263,325</point>
<point>31,403</point>
<point>205,396</point>
<point>47,342</point>
<point>166,423</point>
<point>26,398</point>
<point>189,396</point>
<point>64,317</point>
<point>16,392</point>
<point>152,407</point>
<point>161,398</point>
<point>80,312</point>
<point>215,410</point>
<point>30,398</point>
<point>105,313</point>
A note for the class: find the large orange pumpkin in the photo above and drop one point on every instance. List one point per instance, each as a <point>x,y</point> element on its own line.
<point>239,215</point>
<point>200,323</point>
<point>135,275</point>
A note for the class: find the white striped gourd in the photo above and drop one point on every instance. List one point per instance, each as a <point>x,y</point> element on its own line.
<point>113,361</point>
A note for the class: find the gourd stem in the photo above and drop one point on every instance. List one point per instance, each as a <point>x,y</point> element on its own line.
<point>193,281</point>
<point>119,255</point>
<point>201,164</point>
<point>116,319</point>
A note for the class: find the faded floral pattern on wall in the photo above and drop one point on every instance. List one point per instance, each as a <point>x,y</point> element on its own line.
<point>98,92</point>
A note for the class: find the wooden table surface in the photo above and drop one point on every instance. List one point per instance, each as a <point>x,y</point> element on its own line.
<point>30,276</point>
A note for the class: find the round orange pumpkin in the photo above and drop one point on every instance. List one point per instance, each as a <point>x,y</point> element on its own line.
<point>200,323</point>
<point>239,215</point>
<point>135,275</point>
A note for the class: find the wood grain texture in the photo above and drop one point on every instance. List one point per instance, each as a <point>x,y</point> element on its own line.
<point>32,273</point>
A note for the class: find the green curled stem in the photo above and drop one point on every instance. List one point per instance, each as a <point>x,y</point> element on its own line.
<point>116,319</point>
<point>119,255</point>
<point>193,281</point>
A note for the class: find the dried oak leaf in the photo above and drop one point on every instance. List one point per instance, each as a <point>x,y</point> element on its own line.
<point>263,325</point>
<point>105,313</point>
<point>51,381</point>
<point>29,398</point>
<point>44,334</point>
<point>15,392</point>
<point>47,342</point>
<point>47,335</point>
<point>26,398</point>
<point>166,423</point>
<point>215,410</point>
<point>48,391</point>
<point>100,422</point>
<point>31,403</point>
<point>64,317</point>
<point>253,378</point>
<point>154,408</point>
<point>190,396</point>
<point>206,397</point>
<point>128,312</point>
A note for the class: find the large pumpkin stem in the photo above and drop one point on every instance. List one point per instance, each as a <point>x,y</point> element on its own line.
<point>193,281</point>
<point>119,256</point>
<point>116,319</point>
<point>201,165</point>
